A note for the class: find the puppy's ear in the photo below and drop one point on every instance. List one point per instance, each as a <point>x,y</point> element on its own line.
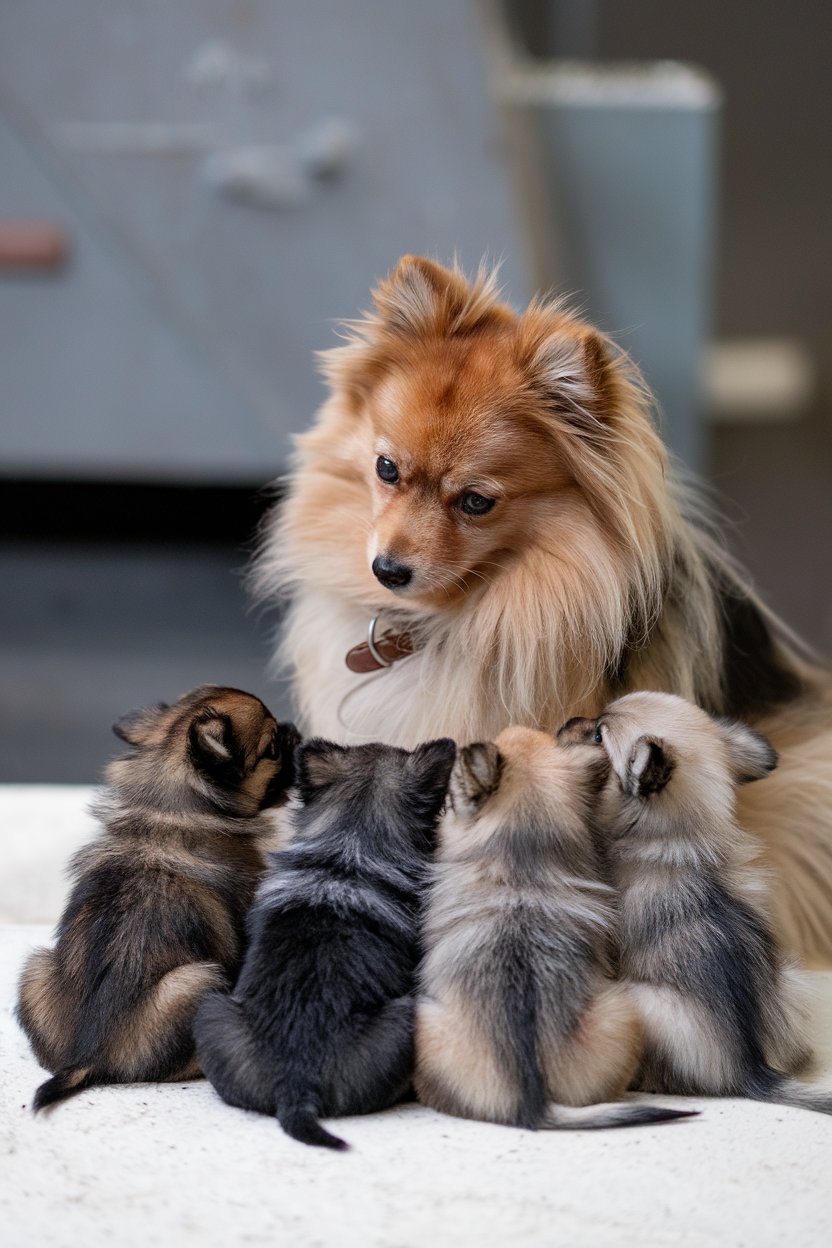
<point>576,731</point>
<point>476,776</point>
<point>431,764</point>
<point>421,295</point>
<point>136,727</point>
<point>286,740</point>
<point>752,755</point>
<point>649,768</point>
<point>212,745</point>
<point>436,754</point>
<point>318,764</point>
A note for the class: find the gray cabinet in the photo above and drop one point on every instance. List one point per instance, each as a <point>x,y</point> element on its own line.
<point>213,243</point>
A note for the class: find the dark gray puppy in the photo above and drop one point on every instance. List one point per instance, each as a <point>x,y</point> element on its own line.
<point>321,1020</point>
<point>723,1009</point>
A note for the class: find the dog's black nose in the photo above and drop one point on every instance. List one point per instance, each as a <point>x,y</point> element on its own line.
<point>391,574</point>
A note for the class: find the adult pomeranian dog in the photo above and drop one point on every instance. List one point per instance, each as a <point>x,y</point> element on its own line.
<point>157,913</point>
<point>723,1012</point>
<point>491,485</point>
<point>518,1019</point>
<point>320,1022</point>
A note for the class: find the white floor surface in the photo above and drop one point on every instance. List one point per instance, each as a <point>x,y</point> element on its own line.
<point>158,1165</point>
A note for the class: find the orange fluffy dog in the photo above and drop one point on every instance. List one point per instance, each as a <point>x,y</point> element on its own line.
<point>491,485</point>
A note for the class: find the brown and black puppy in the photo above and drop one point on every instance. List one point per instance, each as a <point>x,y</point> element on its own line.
<point>518,1020</point>
<point>723,1009</point>
<point>157,913</point>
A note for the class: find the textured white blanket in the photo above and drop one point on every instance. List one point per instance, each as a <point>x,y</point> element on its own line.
<point>170,1164</point>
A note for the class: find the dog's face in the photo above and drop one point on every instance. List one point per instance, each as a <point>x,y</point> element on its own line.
<point>456,476</point>
<point>219,742</point>
<point>658,741</point>
<point>473,430</point>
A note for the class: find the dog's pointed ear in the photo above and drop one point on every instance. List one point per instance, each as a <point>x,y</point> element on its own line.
<point>287,739</point>
<point>286,742</point>
<point>430,764</point>
<point>318,764</point>
<point>752,755</point>
<point>410,298</point>
<point>579,730</point>
<point>476,776</point>
<point>649,768</point>
<point>571,367</point>
<point>136,727</point>
<point>421,295</point>
<point>418,298</point>
<point>212,745</point>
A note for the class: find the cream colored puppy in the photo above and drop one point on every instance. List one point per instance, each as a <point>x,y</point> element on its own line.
<point>519,1020</point>
<point>723,1010</point>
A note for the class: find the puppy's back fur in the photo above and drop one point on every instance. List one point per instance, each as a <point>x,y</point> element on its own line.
<point>721,1006</point>
<point>518,1020</point>
<point>321,1020</point>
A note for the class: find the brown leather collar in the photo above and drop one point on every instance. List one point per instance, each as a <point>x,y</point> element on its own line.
<point>378,652</point>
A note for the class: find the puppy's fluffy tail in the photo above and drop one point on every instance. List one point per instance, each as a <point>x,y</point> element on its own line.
<point>63,1084</point>
<point>769,1085</point>
<point>300,1122</point>
<point>245,1074</point>
<point>614,1114</point>
<point>230,1056</point>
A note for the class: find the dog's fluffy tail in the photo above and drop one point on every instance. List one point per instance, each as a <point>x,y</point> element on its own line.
<point>245,1075</point>
<point>230,1056</point>
<point>62,1085</point>
<point>614,1114</point>
<point>301,1123</point>
<point>769,1085</point>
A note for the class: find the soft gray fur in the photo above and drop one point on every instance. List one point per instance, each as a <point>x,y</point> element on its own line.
<point>518,1019</point>
<point>722,1008</point>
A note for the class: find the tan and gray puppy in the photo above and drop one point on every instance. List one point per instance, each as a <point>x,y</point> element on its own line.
<point>157,913</point>
<point>518,1019</point>
<point>723,1011</point>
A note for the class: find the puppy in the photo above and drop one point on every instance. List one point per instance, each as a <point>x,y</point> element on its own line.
<point>156,916</point>
<point>722,1010</point>
<point>491,485</point>
<point>518,1020</point>
<point>321,1019</point>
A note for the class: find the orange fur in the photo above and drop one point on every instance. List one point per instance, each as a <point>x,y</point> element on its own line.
<point>589,577</point>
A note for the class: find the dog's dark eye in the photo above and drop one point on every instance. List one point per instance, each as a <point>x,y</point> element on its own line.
<point>387,470</point>
<point>598,738</point>
<point>474,504</point>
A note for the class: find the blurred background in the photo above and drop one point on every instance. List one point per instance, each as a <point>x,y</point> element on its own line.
<point>192,194</point>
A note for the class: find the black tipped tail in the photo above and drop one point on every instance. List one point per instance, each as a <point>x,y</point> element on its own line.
<point>615,1114</point>
<point>302,1125</point>
<point>769,1085</point>
<point>60,1087</point>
